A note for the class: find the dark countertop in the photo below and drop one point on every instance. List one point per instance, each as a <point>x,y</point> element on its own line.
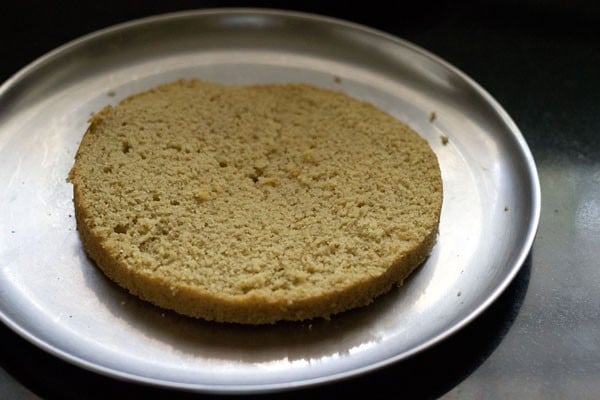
<point>541,61</point>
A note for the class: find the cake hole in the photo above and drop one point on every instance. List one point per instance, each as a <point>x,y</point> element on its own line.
<point>174,146</point>
<point>125,147</point>
<point>146,245</point>
<point>120,228</point>
<point>222,164</point>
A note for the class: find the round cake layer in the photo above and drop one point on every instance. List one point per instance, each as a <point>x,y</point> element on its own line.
<point>254,204</point>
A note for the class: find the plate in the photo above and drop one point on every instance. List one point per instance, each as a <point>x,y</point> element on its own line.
<point>53,296</point>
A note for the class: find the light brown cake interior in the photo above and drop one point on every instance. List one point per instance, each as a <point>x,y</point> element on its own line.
<point>254,204</point>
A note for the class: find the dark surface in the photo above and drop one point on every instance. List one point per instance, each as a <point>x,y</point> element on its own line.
<point>541,61</point>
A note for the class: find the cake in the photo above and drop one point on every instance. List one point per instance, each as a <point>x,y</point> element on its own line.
<point>254,204</point>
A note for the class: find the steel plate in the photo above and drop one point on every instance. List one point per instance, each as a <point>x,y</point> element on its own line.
<point>52,295</point>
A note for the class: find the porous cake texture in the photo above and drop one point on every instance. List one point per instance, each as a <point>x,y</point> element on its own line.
<point>254,204</point>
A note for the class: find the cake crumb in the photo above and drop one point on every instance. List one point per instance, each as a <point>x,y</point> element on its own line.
<point>432,116</point>
<point>274,182</point>
<point>505,208</point>
<point>337,79</point>
<point>444,139</point>
<point>111,93</point>
<point>459,293</point>
<point>202,195</point>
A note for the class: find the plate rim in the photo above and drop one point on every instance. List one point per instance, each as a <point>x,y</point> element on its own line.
<point>521,254</point>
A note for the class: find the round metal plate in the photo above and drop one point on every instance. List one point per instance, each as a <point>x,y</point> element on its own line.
<point>51,294</point>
